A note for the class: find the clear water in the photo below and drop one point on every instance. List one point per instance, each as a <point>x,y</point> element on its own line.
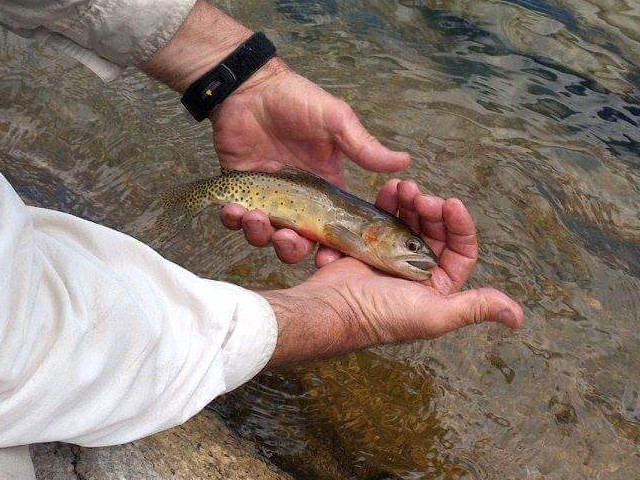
<point>527,110</point>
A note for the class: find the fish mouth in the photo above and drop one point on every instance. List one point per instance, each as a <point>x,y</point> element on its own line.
<point>422,264</point>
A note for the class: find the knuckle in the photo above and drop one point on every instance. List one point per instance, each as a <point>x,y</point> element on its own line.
<point>479,309</point>
<point>393,183</point>
<point>349,117</point>
<point>230,222</point>
<point>286,258</point>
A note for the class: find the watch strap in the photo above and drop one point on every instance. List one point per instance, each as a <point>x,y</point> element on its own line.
<point>210,90</point>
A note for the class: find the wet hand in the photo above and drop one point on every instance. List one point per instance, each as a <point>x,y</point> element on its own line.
<point>280,118</point>
<point>405,310</point>
<point>361,306</point>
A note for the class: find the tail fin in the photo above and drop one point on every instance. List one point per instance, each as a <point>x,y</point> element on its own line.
<point>179,206</point>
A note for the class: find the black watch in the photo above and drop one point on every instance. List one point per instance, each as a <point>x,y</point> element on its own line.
<point>215,86</point>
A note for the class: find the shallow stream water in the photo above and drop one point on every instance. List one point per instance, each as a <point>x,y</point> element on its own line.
<point>527,110</point>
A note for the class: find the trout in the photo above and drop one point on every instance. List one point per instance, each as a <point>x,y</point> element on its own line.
<point>317,210</point>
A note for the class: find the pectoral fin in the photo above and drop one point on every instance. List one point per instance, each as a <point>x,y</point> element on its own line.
<point>343,239</point>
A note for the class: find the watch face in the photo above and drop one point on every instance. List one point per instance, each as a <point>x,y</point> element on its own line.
<point>219,83</point>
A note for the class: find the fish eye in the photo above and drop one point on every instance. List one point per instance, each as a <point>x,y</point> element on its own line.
<point>414,244</point>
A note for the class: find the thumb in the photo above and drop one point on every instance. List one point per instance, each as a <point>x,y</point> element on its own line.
<point>478,306</point>
<point>360,146</point>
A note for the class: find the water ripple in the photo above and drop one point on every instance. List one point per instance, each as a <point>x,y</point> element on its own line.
<point>528,110</point>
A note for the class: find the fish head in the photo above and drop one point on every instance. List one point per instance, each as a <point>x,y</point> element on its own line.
<point>401,251</point>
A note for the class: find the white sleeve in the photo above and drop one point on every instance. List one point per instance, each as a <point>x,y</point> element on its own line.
<point>102,341</point>
<point>102,34</point>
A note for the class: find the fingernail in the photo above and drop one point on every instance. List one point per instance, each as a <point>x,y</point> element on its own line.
<point>507,317</point>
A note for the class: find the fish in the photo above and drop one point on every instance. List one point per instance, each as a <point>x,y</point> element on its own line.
<point>316,209</point>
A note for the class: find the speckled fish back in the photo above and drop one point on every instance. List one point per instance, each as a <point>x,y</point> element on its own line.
<point>291,198</point>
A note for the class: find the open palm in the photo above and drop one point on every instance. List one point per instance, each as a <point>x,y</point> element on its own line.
<point>283,119</point>
<point>398,310</point>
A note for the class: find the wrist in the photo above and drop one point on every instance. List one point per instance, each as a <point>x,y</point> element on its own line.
<point>313,324</point>
<point>204,39</point>
<point>274,68</point>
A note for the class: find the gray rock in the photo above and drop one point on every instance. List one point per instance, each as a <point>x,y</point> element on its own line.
<point>202,448</point>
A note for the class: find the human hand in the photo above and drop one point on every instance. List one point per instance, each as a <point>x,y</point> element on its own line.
<point>280,118</point>
<point>275,118</point>
<point>347,305</point>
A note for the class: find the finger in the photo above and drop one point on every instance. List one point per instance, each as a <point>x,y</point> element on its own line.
<point>461,231</point>
<point>231,216</point>
<point>431,221</point>
<point>360,146</point>
<point>326,255</point>
<point>291,247</point>
<point>461,252</point>
<point>388,197</point>
<point>478,306</point>
<point>441,281</point>
<point>407,192</point>
<point>257,228</point>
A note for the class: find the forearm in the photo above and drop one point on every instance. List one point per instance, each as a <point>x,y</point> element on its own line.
<point>314,324</point>
<point>205,38</point>
<point>175,41</point>
<point>202,41</point>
